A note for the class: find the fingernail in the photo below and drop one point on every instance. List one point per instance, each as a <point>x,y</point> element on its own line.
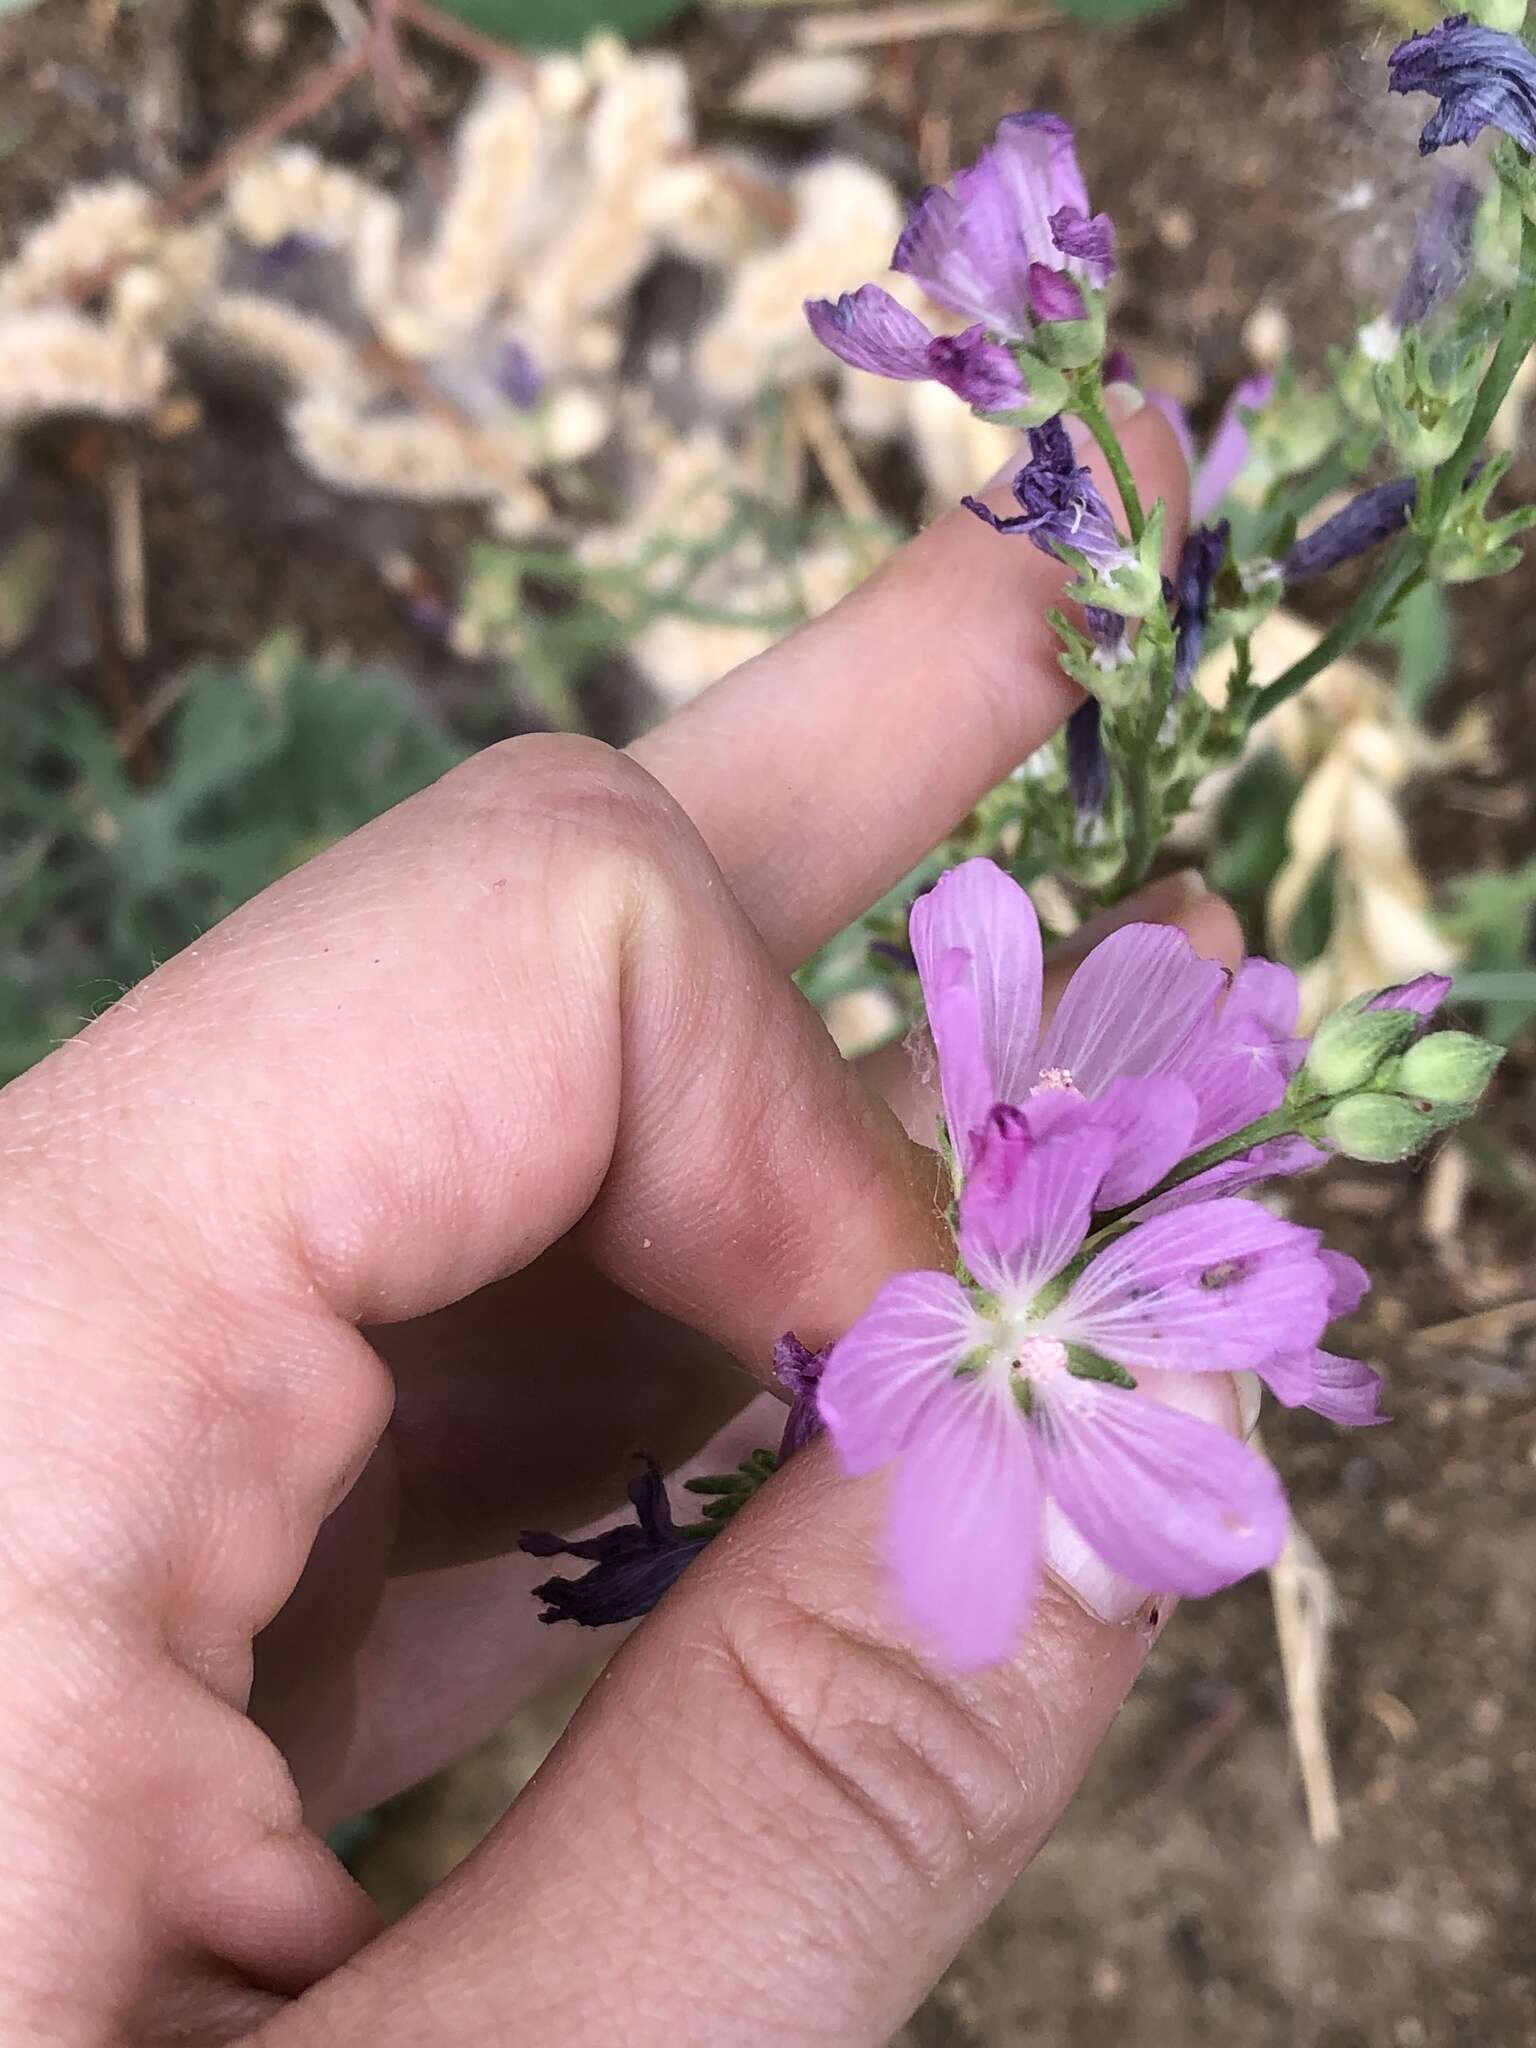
<point>1122,402</point>
<point>1191,884</point>
<point>1079,1571</point>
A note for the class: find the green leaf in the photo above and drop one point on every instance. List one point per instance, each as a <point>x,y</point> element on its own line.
<point>1112,12</point>
<point>545,24</point>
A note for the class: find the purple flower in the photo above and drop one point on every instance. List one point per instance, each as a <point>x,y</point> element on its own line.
<point>1199,565</point>
<point>1021,205</point>
<point>798,1371</point>
<point>1143,1030</point>
<point>1442,250</point>
<point>1011,246</point>
<point>989,1406</point>
<point>873,331</point>
<point>516,375</point>
<point>1062,506</point>
<point>1227,456</point>
<point>1482,78</point>
<point>1423,996</point>
<point>633,1563</point>
<point>1363,524</point>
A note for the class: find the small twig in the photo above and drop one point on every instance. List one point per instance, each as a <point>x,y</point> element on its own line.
<point>394,84</point>
<point>457,35</point>
<point>1302,1590</point>
<point>125,523</point>
<point>311,96</point>
<point>916,18</point>
<point>817,424</point>
<point>1491,1323</point>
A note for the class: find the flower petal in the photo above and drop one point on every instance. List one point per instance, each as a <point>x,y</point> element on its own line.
<point>1219,1287</point>
<point>980,371</point>
<point>1346,1391</point>
<point>1087,240</point>
<point>1275,1160</point>
<point>1423,996</point>
<point>965,1529</point>
<point>984,1005</point>
<point>901,1353</point>
<point>1171,1503</point>
<point>873,331</point>
<point>1132,1007</point>
<point>1153,1119</point>
<point>960,250</point>
<point>1349,1283</point>
<point>1227,456</point>
<point>1034,1180</point>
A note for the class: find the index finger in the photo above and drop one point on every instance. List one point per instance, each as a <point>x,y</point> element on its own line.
<point>822,772</point>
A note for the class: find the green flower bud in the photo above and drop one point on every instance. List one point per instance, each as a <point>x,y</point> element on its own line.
<point>1351,1047</point>
<point>1380,1129</point>
<point>1450,1069</point>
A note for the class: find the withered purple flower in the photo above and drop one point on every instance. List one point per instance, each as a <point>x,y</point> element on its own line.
<point>1442,250</point>
<point>798,1371</point>
<point>1199,565</point>
<point>1060,504</point>
<point>1087,761</point>
<point>1362,525</point>
<point>1482,77</point>
<point>633,1563</point>
<point>1011,246</point>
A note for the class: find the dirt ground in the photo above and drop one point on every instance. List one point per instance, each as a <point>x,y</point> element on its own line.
<point>1250,154</point>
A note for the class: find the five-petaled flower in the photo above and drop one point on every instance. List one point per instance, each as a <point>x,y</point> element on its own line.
<point>1011,247</point>
<point>1041,1375</point>
<point>1482,77</point>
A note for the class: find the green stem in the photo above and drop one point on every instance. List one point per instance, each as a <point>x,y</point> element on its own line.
<point>1088,404</point>
<point>1437,497</point>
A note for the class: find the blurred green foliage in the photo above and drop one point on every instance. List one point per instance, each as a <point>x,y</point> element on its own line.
<point>1113,12</point>
<point>546,24</point>
<point>103,873</point>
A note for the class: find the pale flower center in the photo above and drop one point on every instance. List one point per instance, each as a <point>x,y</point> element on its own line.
<point>1052,1080</point>
<point>1037,1358</point>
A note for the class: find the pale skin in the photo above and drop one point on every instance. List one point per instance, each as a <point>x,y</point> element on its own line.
<point>504,1078</point>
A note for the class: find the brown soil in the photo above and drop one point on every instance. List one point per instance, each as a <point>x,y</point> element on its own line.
<point>1250,154</point>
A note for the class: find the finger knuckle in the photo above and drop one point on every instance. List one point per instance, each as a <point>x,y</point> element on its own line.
<point>915,1766</point>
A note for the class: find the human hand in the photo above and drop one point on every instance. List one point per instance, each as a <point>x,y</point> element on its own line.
<point>515,1078</point>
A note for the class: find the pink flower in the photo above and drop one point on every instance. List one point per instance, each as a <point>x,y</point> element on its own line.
<point>991,1401</point>
<point>1143,1031</point>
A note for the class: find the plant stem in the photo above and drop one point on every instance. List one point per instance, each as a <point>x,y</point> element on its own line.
<point>1088,404</point>
<point>1437,497</point>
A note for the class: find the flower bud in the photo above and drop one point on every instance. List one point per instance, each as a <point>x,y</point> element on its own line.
<point>1351,1047</point>
<point>1380,1129</point>
<point>1450,1069</point>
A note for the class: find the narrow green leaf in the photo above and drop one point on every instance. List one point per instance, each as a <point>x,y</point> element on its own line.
<point>545,24</point>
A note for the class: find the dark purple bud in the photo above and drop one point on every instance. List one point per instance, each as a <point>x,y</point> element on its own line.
<point>633,1563</point>
<point>1061,504</point>
<point>1199,566</point>
<point>798,1371</point>
<point>1482,78</point>
<point>1442,250</point>
<point>1087,762</point>
<point>1362,525</point>
<point>517,376</point>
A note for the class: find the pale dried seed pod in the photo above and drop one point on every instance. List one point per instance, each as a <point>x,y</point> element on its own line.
<point>307,353</point>
<point>805,86</point>
<point>91,229</point>
<point>53,360</point>
<point>847,218</point>
<point>402,455</point>
<point>294,192</point>
<point>643,116</point>
<point>464,271</point>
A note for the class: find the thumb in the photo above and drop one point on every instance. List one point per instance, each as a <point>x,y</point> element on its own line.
<point>771,1815</point>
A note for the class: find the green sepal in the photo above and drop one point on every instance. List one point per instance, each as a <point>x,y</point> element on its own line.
<point>1086,1364</point>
